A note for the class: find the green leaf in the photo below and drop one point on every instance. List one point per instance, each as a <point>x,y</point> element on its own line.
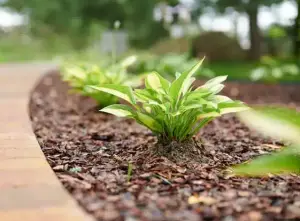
<point>74,72</point>
<point>119,110</point>
<point>221,99</point>
<point>214,85</point>
<point>164,82</point>
<point>232,107</point>
<point>177,75</point>
<point>195,95</point>
<point>215,81</point>
<point>180,83</point>
<point>128,61</point>
<point>149,122</point>
<point>146,95</point>
<point>275,122</point>
<point>187,86</point>
<point>286,161</point>
<point>189,107</point>
<point>216,88</point>
<point>152,81</point>
<point>208,115</point>
<point>120,91</point>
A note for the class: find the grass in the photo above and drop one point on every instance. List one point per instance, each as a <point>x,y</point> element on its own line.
<point>241,70</point>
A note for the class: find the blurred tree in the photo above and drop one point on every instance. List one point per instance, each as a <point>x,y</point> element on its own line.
<point>251,8</point>
<point>297,31</point>
<point>74,17</point>
<point>275,37</point>
<point>143,30</point>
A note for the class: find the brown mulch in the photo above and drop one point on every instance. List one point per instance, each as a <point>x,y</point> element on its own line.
<point>91,152</point>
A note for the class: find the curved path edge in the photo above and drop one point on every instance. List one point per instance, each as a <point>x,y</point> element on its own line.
<point>29,189</point>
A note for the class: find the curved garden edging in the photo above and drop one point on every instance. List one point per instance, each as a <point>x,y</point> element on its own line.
<point>29,188</point>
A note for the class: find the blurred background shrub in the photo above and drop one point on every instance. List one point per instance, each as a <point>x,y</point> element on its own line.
<point>217,46</point>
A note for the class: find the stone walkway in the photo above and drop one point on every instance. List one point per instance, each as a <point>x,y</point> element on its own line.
<point>29,190</point>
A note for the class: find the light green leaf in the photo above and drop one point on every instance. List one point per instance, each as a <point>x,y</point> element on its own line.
<point>119,110</point>
<point>217,88</point>
<point>152,81</point>
<point>188,85</point>
<point>128,61</point>
<point>208,115</point>
<point>232,107</point>
<point>221,99</point>
<point>215,81</point>
<point>179,84</point>
<point>177,75</point>
<point>149,122</point>
<point>214,89</point>
<point>214,85</point>
<point>74,72</point>
<point>120,91</point>
<point>164,82</point>
<point>286,161</point>
<point>188,107</point>
<point>146,95</point>
<point>195,95</point>
<point>274,122</point>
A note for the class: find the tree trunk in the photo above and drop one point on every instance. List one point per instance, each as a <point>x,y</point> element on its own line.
<point>297,32</point>
<point>255,37</point>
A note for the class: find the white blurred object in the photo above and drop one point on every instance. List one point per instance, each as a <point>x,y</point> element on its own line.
<point>277,73</point>
<point>291,69</point>
<point>258,73</point>
<point>177,31</point>
<point>107,42</point>
<point>184,15</point>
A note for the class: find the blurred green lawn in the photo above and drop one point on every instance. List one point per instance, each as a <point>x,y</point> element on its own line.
<point>241,70</point>
<point>236,70</point>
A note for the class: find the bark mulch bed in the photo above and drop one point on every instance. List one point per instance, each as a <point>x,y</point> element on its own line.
<point>90,153</point>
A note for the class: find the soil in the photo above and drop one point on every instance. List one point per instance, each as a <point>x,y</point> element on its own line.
<point>109,166</point>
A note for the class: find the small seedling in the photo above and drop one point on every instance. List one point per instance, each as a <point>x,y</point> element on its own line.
<point>75,170</point>
<point>172,111</point>
<point>278,123</point>
<point>129,172</point>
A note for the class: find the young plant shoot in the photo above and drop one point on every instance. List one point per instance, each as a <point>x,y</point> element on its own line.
<point>172,110</point>
<point>80,76</point>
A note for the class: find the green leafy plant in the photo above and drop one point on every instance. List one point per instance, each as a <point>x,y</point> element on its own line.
<point>80,76</point>
<point>172,111</point>
<point>272,71</point>
<point>168,64</point>
<point>279,123</point>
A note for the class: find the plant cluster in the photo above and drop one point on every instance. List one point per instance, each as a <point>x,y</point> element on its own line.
<point>169,64</point>
<point>271,70</point>
<point>174,111</point>
<point>86,74</point>
<point>277,123</point>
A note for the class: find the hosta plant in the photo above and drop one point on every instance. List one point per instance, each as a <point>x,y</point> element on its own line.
<point>174,111</point>
<point>271,71</point>
<point>278,123</point>
<point>167,65</point>
<point>83,75</point>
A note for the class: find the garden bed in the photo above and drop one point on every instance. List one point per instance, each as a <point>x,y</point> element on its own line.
<point>90,153</point>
